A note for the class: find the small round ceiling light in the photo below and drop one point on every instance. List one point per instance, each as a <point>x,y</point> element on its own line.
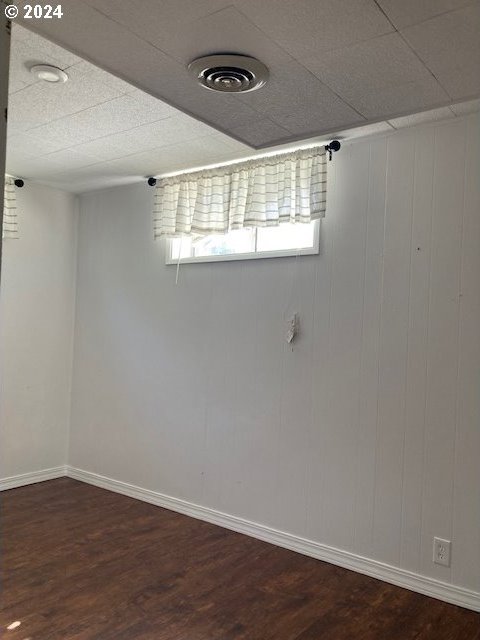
<point>48,73</point>
<point>229,73</point>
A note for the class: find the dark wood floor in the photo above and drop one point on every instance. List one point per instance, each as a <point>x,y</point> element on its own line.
<point>81,563</point>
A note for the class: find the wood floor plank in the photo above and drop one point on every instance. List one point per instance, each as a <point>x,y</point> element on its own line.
<point>82,563</point>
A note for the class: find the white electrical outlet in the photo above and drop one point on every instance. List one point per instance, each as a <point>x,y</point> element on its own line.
<point>442,551</point>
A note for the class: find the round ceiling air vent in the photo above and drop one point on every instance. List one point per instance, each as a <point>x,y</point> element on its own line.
<point>229,73</point>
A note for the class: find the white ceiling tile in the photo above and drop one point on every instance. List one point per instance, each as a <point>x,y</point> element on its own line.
<point>185,155</point>
<point>103,130</point>
<point>93,183</point>
<point>118,35</point>
<point>175,156</point>
<point>19,33</point>
<point>126,55</point>
<point>14,157</point>
<point>128,13</point>
<point>29,145</point>
<point>11,129</point>
<point>298,101</point>
<point>225,30</point>
<point>213,148</point>
<point>363,131</point>
<point>108,44</point>
<point>21,60</point>
<point>226,111</point>
<point>311,27</point>
<point>152,107</point>
<point>140,164</point>
<point>165,132</point>
<point>14,85</point>
<point>122,122</point>
<point>27,49</point>
<point>146,137</point>
<point>154,20</point>
<point>450,46</point>
<point>41,48</point>
<point>81,127</point>
<point>30,167</point>
<point>193,128</point>
<point>404,13</point>
<point>259,133</point>
<point>120,114</point>
<point>370,65</point>
<point>401,99</point>
<point>90,178</point>
<point>20,112</point>
<point>102,170</point>
<point>70,159</point>
<point>99,75</point>
<point>463,85</point>
<point>54,101</point>
<point>419,118</point>
<point>464,108</point>
<point>232,144</point>
<point>379,76</point>
<point>101,148</point>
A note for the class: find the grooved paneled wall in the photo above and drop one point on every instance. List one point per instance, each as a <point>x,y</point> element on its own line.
<point>364,436</point>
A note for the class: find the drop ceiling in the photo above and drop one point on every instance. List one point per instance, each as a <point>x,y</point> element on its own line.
<point>96,130</point>
<point>100,129</point>
<point>334,63</point>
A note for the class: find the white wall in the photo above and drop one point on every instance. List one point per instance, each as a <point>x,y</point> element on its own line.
<point>36,332</point>
<point>366,436</point>
<point>4,66</point>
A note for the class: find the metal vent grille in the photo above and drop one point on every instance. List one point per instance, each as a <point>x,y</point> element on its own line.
<point>229,73</point>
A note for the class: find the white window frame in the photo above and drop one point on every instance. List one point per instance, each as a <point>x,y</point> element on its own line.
<point>252,255</point>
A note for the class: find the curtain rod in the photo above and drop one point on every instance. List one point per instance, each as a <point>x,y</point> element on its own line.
<point>333,146</point>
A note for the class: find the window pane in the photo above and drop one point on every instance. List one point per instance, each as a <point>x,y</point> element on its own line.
<point>181,247</point>
<point>286,236</point>
<point>253,242</point>
<point>241,241</point>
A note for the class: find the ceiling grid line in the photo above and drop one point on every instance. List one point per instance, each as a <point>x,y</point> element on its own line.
<point>411,48</point>
<point>310,72</point>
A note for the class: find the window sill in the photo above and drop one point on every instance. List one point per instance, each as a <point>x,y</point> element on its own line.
<point>287,253</point>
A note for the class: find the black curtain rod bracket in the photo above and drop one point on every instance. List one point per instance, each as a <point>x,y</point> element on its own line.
<point>333,146</point>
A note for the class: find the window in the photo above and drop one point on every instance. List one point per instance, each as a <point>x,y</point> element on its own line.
<point>244,244</point>
<point>262,208</point>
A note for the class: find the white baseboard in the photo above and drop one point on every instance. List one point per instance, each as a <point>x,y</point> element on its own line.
<point>388,573</point>
<point>31,478</point>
